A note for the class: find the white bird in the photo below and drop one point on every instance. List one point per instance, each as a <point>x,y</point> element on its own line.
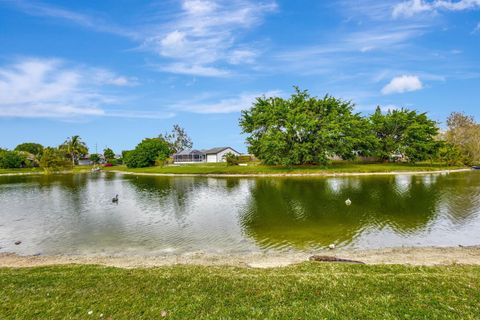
<point>332,246</point>
<point>348,202</point>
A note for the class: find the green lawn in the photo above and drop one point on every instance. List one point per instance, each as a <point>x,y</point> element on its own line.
<point>336,167</point>
<point>306,291</point>
<point>76,169</point>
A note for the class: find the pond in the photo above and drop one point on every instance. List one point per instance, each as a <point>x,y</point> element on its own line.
<point>74,214</point>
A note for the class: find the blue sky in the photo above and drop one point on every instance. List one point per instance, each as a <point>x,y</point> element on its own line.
<point>116,71</point>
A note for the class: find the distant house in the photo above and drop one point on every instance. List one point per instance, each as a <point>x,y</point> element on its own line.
<point>209,156</point>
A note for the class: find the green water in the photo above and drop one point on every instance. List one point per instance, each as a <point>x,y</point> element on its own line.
<point>74,214</point>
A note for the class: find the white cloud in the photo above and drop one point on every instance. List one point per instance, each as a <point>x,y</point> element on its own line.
<point>51,88</point>
<point>206,33</point>
<point>194,69</point>
<point>227,105</point>
<point>404,83</point>
<point>412,7</point>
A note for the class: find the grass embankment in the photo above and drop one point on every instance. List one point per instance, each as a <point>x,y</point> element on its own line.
<point>306,291</point>
<point>336,167</point>
<point>76,169</point>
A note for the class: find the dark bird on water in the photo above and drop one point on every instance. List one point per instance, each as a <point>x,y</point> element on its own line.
<point>115,200</point>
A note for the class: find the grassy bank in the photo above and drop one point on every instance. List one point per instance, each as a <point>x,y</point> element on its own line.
<point>307,291</point>
<point>76,169</point>
<point>336,167</point>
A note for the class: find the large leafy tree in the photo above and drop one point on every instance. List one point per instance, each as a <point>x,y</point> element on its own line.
<point>74,148</point>
<point>108,154</point>
<point>463,133</point>
<point>305,130</point>
<point>178,139</point>
<point>147,152</point>
<point>404,132</point>
<point>33,148</point>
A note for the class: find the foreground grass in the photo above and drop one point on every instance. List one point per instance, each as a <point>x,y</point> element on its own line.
<point>336,167</point>
<point>307,291</point>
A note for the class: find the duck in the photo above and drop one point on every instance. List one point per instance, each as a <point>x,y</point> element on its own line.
<point>115,200</point>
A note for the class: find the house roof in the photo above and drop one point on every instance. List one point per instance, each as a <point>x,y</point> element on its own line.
<point>203,151</point>
<point>217,150</point>
<point>186,152</point>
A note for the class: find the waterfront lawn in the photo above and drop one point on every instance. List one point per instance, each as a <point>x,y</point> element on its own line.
<point>306,291</point>
<point>36,170</point>
<point>335,167</point>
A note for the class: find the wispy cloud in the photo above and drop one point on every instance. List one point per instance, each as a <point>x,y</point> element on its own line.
<point>206,104</point>
<point>412,7</point>
<point>205,34</point>
<point>52,88</point>
<point>201,38</point>
<point>401,84</point>
<point>88,21</point>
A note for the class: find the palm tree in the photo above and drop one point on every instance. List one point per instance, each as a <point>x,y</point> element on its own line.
<point>74,147</point>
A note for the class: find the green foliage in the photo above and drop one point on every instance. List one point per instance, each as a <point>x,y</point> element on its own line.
<point>178,139</point>
<point>450,154</point>
<point>109,155</point>
<point>33,148</point>
<point>12,159</point>
<point>464,134</point>
<point>231,159</point>
<point>147,152</point>
<point>54,160</point>
<point>74,148</point>
<point>305,130</point>
<point>404,132</point>
<point>95,158</point>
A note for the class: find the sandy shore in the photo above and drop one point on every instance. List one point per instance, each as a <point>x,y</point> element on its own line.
<point>313,174</point>
<point>427,256</point>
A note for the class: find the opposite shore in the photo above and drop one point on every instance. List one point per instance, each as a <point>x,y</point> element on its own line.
<point>262,171</point>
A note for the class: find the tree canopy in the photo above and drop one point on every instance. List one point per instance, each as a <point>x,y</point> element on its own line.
<point>108,154</point>
<point>305,130</point>
<point>33,148</point>
<point>463,134</point>
<point>178,139</point>
<point>147,152</point>
<point>404,132</point>
<point>74,148</point>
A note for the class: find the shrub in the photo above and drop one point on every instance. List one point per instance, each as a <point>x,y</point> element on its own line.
<point>231,159</point>
<point>147,152</point>
<point>12,159</point>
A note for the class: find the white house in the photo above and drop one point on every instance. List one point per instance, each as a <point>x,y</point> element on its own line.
<point>217,154</point>
<point>210,155</point>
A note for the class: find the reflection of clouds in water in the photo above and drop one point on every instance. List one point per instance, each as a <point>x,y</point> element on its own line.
<point>403,183</point>
<point>336,184</point>
<point>430,179</point>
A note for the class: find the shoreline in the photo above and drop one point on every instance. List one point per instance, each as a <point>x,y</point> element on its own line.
<point>415,256</point>
<point>313,174</point>
<point>247,175</point>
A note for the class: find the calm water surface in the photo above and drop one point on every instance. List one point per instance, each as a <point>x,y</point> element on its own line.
<point>74,214</point>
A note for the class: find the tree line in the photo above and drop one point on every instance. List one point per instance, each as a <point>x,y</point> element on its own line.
<point>149,152</point>
<point>65,156</point>
<point>308,130</point>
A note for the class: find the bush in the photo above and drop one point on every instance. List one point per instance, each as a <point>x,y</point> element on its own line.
<point>54,160</point>
<point>231,159</point>
<point>12,159</point>
<point>147,152</point>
